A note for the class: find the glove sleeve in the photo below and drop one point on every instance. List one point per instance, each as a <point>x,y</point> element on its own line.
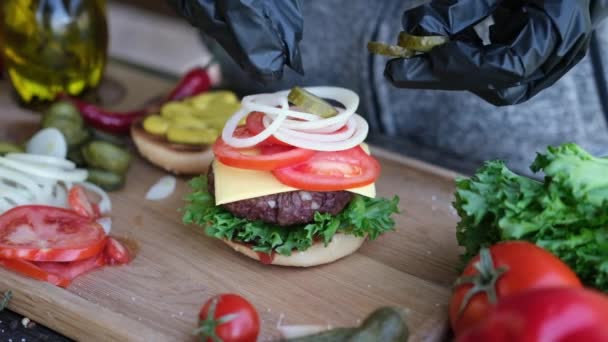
<point>260,35</point>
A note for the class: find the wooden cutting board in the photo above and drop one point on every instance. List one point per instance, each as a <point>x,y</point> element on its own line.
<point>177,267</point>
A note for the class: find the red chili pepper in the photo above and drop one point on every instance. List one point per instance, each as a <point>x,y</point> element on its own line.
<point>194,82</point>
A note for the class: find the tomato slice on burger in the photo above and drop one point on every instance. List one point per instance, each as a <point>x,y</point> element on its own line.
<point>255,125</point>
<point>29,269</point>
<point>331,171</point>
<point>253,158</point>
<point>43,233</point>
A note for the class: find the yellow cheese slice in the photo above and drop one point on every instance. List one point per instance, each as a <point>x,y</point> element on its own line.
<point>234,184</point>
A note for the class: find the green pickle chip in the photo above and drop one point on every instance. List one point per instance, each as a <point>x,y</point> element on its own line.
<point>311,103</point>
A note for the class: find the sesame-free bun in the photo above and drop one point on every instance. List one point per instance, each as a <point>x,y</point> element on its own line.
<point>165,155</point>
<point>340,246</point>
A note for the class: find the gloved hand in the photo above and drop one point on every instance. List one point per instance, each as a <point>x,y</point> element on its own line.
<point>260,35</point>
<point>534,43</point>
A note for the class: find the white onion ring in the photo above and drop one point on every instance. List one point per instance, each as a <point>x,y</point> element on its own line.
<point>300,129</point>
<point>46,172</point>
<point>43,160</point>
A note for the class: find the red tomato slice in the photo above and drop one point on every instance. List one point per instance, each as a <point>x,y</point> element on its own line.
<point>116,253</point>
<point>79,202</point>
<point>255,125</point>
<point>331,171</point>
<point>43,233</point>
<point>253,159</point>
<point>71,270</point>
<point>29,269</point>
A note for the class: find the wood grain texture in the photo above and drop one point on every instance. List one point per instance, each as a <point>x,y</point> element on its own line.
<point>157,296</point>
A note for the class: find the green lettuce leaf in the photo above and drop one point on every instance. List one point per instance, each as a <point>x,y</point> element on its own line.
<point>566,214</point>
<point>363,216</point>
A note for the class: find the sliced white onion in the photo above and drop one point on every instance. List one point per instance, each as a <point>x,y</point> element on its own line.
<point>106,223</point>
<point>77,175</point>
<point>44,160</point>
<point>49,142</point>
<point>298,128</point>
<point>105,205</point>
<point>296,331</point>
<point>161,189</point>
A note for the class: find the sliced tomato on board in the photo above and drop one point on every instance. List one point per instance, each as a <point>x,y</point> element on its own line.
<point>71,270</point>
<point>255,125</point>
<point>43,233</point>
<point>80,203</point>
<point>29,269</point>
<point>116,253</point>
<point>253,159</point>
<point>331,171</point>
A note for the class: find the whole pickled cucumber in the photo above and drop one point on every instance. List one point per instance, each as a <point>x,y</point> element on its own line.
<point>106,156</point>
<point>107,180</point>
<point>74,133</point>
<point>6,147</point>
<point>311,103</point>
<point>63,109</point>
<point>420,43</point>
<point>111,138</point>
<point>385,324</point>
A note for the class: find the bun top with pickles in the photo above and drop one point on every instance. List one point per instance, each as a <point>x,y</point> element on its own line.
<point>178,137</point>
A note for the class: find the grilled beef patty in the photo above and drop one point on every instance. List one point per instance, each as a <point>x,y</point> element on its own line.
<point>288,208</point>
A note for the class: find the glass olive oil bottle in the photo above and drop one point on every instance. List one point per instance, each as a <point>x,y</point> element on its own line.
<point>53,46</point>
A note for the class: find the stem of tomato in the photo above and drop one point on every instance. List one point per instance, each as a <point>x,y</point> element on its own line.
<point>5,299</point>
<point>482,282</point>
<point>207,327</point>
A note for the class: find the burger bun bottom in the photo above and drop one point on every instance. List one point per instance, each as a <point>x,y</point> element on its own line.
<point>318,254</point>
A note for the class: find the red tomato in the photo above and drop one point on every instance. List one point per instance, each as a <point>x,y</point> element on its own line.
<point>79,202</point>
<point>514,266</point>
<point>71,270</point>
<point>230,318</point>
<point>331,171</point>
<point>251,158</point>
<point>42,233</point>
<point>29,269</point>
<point>255,125</point>
<point>116,253</point>
<point>545,314</point>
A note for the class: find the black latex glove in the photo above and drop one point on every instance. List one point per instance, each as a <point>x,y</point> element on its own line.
<point>260,35</point>
<point>534,43</point>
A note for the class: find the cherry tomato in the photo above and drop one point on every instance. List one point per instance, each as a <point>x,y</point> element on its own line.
<point>116,253</point>
<point>544,314</point>
<point>43,233</point>
<point>505,269</point>
<point>229,317</point>
<point>79,202</point>
<point>331,171</point>
<point>255,125</point>
<point>30,269</point>
<point>253,159</point>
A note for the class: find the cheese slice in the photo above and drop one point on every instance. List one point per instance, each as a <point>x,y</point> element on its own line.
<point>233,184</point>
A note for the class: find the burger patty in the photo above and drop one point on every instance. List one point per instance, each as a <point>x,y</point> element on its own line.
<point>288,208</point>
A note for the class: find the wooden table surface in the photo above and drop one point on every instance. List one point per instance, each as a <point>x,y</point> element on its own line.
<point>157,296</point>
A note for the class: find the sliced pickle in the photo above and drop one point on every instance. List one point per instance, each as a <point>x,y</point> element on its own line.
<point>389,50</point>
<point>420,43</point>
<point>203,101</point>
<point>189,122</point>
<point>156,124</point>
<point>311,103</point>
<point>173,109</point>
<point>192,136</point>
